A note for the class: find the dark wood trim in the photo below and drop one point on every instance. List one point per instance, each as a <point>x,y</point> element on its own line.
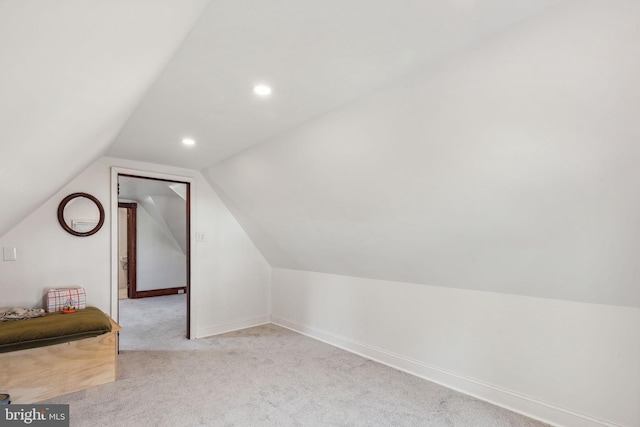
<point>158,292</point>
<point>132,247</point>
<point>152,178</point>
<point>188,244</point>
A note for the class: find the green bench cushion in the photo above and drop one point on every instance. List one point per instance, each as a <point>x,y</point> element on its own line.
<point>53,328</point>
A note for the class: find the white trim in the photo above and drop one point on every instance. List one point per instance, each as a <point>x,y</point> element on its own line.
<point>115,171</point>
<point>233,326</point>
<point>499,396</point>
<point>113,211</point>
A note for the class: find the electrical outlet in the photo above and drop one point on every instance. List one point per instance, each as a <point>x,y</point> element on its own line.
<point>200,236</point>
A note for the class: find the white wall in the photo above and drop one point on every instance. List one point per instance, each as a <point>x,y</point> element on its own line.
<point>174,214</point>
<point>510,167</point>
<point>49,257</point>
<point>230,282</point>
<point>160,262</point>
<point>66,69</point>
<point>567,362</point>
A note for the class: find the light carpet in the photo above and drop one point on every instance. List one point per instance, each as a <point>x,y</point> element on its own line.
<point>261,376</point>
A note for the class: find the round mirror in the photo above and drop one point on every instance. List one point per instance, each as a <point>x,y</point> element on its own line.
<point>81,214</point>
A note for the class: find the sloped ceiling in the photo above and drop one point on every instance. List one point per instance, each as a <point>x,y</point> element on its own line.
<point>511,166</point>
<point>482,144</point>
<point>165,202</point>
<point>71,73</point>
<point>317,56</point>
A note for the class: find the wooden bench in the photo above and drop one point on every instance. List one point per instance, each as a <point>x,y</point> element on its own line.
<point>39,373</point>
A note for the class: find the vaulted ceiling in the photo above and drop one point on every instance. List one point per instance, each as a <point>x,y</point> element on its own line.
<point>317,56</point>
<point>71,74</point>
<point>465,143</point>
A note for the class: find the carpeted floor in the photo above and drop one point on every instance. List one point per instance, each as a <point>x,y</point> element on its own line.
<point>262,376</point>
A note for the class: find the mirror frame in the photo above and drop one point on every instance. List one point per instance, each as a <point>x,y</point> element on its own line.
<point>70,230</point>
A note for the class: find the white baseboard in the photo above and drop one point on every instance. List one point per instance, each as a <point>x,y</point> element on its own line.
<point>508,399</point>
<point>232,326</point>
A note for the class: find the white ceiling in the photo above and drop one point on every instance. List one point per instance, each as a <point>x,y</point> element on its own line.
<point>317,56</point>
<point>71,74</point>
<point>136,188</point>
<point>486,144</point>
<point>510,167</point>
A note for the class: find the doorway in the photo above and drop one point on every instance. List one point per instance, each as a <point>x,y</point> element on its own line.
<point>153,238</point>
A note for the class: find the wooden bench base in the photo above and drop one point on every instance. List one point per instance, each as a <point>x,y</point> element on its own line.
<point>41,373</point>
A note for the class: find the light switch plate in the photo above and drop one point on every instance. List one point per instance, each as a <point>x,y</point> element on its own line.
<point>200,236</point>
<point>9,254</point>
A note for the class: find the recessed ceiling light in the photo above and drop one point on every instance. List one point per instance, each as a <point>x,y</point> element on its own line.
<point>188,141</point>
<point>261,90</point>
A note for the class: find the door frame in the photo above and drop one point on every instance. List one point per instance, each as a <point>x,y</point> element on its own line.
<point>132,254</point>
<point>115,173</point>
